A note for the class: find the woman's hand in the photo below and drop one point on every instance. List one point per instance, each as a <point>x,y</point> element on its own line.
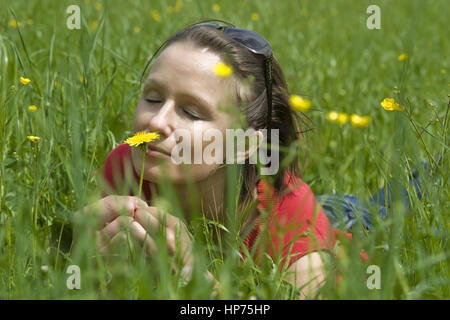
<point>107,210</point>
<point>118,214</point>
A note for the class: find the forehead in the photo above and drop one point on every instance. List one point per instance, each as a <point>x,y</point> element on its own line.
<point>185,69</point>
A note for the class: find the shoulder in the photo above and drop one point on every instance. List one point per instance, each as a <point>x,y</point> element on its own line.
<point>296,201</point>
<point>295,218</point>
<point>116,164</point>
<point>119,153</point>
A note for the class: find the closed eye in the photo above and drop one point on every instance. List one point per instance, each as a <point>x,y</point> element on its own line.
<point>185,111</point>
<point>152,101</point>
<point>191,115</point>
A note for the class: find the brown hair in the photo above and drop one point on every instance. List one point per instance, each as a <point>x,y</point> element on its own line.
<point>253,104</point>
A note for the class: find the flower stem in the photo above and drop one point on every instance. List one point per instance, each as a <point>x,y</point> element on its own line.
<point>144,150</point>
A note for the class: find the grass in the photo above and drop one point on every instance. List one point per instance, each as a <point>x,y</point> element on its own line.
<point>85,84</point>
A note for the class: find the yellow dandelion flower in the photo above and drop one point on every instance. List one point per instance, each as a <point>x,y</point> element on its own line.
<point>402,57</point>
<point>24,81</point>
<point>136,30</point>
<point>223,70</point>
<point>298,103</point>
<point>14,23</point>
<point>32,108</point>
<point>216,7</point>
<point>359,121</point>
<point>443,71</point>
<point>155,15</point>
<point>33,138</point>
<point>332,116</point>
<point>254,16</point>
<point>342,118</point>
<point>141,137</point>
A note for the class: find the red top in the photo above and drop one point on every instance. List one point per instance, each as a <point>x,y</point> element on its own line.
<point>297,217</point>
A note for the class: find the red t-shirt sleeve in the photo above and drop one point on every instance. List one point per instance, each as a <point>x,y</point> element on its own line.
<point>300,225</point>
<point>295,226</point>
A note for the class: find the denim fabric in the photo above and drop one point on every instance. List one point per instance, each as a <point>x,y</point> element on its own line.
<point>344,211</point>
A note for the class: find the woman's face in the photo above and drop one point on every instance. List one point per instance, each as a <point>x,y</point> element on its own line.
<point>182,91</point>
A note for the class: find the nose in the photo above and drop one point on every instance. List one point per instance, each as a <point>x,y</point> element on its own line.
<point>162,121</point>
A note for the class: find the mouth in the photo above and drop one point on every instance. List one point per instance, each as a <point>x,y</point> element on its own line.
<point>156,151</point>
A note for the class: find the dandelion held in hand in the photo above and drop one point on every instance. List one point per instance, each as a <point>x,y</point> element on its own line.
<point>140,139</point>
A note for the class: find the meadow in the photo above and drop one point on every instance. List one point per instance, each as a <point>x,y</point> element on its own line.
<point>83,89</point>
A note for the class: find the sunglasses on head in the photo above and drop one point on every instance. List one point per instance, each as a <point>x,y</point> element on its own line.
<point>256,44</point>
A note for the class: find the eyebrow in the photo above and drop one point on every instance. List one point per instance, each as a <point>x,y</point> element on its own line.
<point>202,102</point>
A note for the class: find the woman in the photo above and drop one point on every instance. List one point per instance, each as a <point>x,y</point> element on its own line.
<point>184,90</point>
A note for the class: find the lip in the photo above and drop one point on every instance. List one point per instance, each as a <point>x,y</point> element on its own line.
<point>156,151</point>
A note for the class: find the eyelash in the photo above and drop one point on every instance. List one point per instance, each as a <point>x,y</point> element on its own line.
<point>190,115</point>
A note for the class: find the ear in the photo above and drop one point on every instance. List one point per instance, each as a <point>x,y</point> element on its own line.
<point>256,139</point>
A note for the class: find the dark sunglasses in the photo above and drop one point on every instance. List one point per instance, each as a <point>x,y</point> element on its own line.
<point>256,44</point>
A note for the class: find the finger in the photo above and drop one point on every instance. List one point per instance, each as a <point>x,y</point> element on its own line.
<point>141,234</point>
<point>146,219</point>
<point>168,220</point>
<point>113,206</point>
<point>118,224</point>
<point>116,243</point>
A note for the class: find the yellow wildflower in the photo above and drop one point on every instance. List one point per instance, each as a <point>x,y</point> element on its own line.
<point>98,6</point>
<point>332,115</point>
<point>14,23</point>
<point>359,121</point>
<point>223,70</point>
<point>402,57</point>
<point>216,7</point>
<point>298,103</point>
<point>178,5</point>
<point>389,104</point>
<point>33,138</point>
<point>443,71</point>
<point>254,16</point>
<point>342,118</point>
<point>93,25</point>
<point>155,15</point>
<point>136,30</point>
<point>24,81</point>
<point>32,108</point>
<point>141,137</point>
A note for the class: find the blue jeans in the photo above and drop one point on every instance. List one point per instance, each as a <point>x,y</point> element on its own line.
<point>344,211</point>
